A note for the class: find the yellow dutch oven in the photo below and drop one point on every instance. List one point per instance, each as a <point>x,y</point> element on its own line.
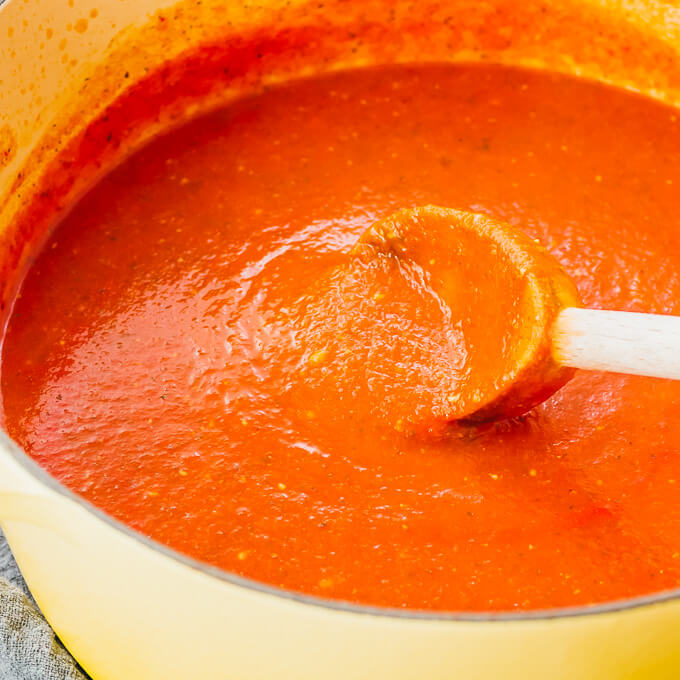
<point>128,608</point>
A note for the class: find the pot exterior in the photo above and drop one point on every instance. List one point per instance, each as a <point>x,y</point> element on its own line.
<point>128,609</point>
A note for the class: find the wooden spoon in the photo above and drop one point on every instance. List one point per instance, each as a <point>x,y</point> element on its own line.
<point>520,313</point>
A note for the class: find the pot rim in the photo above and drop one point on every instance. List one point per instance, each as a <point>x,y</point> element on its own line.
<point>8,445</point>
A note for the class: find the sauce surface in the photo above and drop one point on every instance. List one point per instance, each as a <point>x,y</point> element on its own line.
<point>159,360</point>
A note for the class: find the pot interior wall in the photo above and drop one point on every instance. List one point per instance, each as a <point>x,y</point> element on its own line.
<point>79,90</point>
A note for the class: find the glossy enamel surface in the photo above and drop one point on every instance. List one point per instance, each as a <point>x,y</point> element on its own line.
<point>79,565</point>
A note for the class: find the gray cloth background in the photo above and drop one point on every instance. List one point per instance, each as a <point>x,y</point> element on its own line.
<point>29,649</point>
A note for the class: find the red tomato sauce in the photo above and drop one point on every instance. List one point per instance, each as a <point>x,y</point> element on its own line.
<point>158,358</point>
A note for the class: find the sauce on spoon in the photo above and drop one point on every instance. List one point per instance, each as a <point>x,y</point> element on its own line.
<point>500,292</point>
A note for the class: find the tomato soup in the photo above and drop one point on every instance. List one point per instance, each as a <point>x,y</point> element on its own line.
<point>158,360</point>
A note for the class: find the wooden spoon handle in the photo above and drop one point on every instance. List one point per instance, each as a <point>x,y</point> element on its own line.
<point>621,342</point>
